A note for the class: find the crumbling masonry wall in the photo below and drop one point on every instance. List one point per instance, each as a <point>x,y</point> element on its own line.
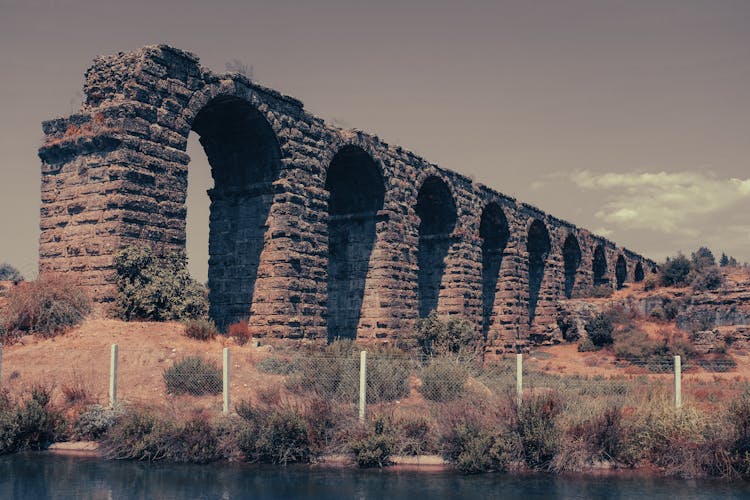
<point>315,232</point>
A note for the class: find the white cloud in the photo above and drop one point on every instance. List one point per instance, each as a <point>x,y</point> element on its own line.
<point>662,201</point>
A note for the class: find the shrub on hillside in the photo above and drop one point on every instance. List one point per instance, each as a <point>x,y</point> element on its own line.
<point>47,306</point>
<point>708,278</point>
<point>651,282</point>
<point>599,329</point>
<point>9,273</point>
<point>675,271</point>
<point>701,258</point>
<point>200,329</point>
<point>453,336</point>
<point>193,375</point>
<point>157,288</point>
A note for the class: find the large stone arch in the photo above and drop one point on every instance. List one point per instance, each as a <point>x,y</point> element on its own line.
<point>436,209</point>
<point>538,246</point>
<point>599,265</point>
<point>571,260</point>
<point>356,193</point>
<point>638,273</point>
<point>621,271</point>
<point>245,160</point>
<point>494,233</point>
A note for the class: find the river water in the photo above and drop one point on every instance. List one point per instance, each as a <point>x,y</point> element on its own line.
<point>44,475</point>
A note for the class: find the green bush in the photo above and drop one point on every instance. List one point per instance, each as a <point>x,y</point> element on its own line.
<point>444,380</point>
<point>9,273</point>
<point>94,422</point>
<point>200,329</point>
<point>675,271</point>
<point>537,428</point>
<point>157,288</point>
<point>277,436</point>
<point>454,336</point>
<point>702,258</point>
<point>708,278</point>
<point>599,329</point>
<point>33,425</point>
<point>475,449</point>
<point>140,435</point>
<point>193,375</point>
<point>373,448</point>
<point>48,306</point>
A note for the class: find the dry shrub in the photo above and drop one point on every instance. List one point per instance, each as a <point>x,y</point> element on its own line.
<point>239,332</point>
<point>416,435</point>
<point>200,329</point>
<point>75,391</point>
<point>536,423</point>
<point>48,306</point>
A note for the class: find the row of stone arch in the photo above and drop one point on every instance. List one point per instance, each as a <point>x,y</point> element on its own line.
<point>245,160</point>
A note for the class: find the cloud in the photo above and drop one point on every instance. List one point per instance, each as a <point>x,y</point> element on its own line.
<point>663,201</point>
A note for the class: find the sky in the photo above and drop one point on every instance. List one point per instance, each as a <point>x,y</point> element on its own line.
<point>630,118</point>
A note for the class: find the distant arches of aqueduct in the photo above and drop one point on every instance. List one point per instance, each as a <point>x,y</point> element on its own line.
<point>315,232</point>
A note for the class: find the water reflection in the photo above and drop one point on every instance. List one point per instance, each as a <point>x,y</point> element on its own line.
<point>41,476</point>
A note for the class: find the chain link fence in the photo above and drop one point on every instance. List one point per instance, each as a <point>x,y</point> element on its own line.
<point>204,378</point>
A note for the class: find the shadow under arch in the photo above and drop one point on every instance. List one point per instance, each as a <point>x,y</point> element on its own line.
<point>494,232</point>
<point>638,273</point>
<point>571,261</point>
<point>437,218</point>
<point>599,266</point>
<point>245,160</point>
<point>621,271</point>
<point>537,246</point>
<point>356,194</point>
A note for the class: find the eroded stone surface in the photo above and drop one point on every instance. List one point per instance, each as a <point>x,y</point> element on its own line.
<point>281,253</point>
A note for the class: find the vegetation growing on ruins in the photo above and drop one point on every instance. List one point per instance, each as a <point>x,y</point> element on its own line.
<point>157,287</point>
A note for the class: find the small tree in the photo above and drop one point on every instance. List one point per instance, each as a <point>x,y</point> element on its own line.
<point>600,330</point>
<point>157,288</point>
<point>437,337</point>
<point>703,257</point>
<point>724,261</point>
<point>674,272</point>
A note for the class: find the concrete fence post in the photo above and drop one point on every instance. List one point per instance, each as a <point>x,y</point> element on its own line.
<point>362,385</point>
<point>113,375</point>
<point>677,382</point>
<point>225,362</point>
<point>519,379</point>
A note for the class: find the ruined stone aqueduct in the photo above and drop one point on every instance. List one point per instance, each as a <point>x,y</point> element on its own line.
<point>315,232</point>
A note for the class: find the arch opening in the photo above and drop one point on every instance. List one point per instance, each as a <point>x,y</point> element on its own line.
<point>599,266</point>
<point>494,232</point>
<point>356,193</point>
<point>538,247</point>
<point>437,218</point>
<point>571,261</point>
<point>244,157</point>
<point>621,271</point>
<point>638,273</point>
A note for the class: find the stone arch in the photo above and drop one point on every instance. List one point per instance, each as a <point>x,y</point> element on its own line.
<point>537,246</point>
<point>436,209</point>
<point>245,160</point>
<point>599,266</point>
<point>356,193</point>
<point>621,271</point>
<point>494,232</point>
<point>571,261</point>
<point>638,274</point>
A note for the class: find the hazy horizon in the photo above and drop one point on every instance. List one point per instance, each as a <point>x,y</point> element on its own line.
<point>628,118</point>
